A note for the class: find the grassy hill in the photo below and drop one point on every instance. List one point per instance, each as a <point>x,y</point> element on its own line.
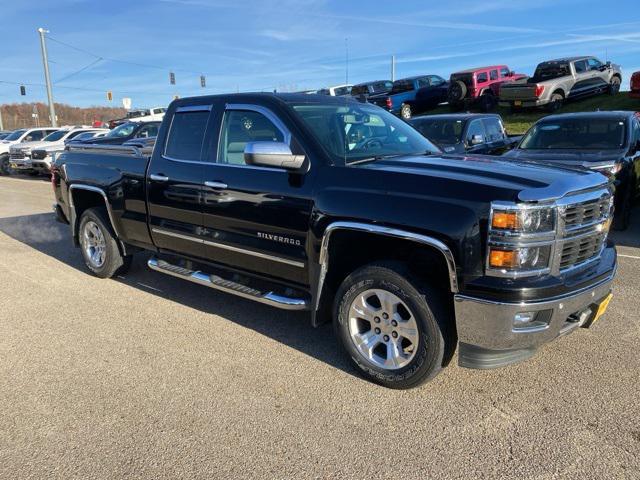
<point>517,123</point>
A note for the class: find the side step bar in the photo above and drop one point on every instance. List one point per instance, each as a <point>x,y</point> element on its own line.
<point>228,286</point>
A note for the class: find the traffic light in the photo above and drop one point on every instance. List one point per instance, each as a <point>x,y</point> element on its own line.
<point>203,81</point>
<point>109,95</point>
<point>23,90</point>
<point>172,78</point>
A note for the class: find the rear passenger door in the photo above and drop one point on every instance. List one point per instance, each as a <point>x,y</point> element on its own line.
<point>584,80</point>
<point>174,183</point>
<point>255,218</point>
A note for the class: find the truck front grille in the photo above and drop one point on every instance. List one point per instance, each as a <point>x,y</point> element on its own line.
<point>17,155</point>
<point>38,154</point>
<point>583,228</point>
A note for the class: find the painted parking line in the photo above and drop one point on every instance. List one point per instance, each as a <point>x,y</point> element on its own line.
<point>629,256</point>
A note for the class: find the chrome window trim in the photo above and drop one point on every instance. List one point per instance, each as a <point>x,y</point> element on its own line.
<point>223,246</point>
<point>389,232</point>
<point>194,108</point>
<point>264,111</point>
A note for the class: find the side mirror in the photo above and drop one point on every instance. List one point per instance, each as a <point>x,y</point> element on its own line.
<point>476,140</point>
<point>272,154</point>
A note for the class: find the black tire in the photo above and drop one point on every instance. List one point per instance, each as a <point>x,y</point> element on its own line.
<point>406,111</point>
<point>614,86</point>
<point>557,99</point>
<point>488,103</point>
<point>4,165</point>
<point>113,261</point>
<point>622,215</point>
<point>435,344</point>
<point>457,92</point>
<point>34,173</point>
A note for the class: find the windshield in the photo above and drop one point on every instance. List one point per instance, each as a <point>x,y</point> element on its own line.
<point>444,132</point>
<point>55,136</point>
<point>340,91</point>
<point>576,134</point>
<point>549,71</point>
<point>356,131</point>
<point>15,135</point>
<point>121,131</point>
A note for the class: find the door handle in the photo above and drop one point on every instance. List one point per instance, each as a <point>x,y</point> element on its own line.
<point>158,177</point>
<point>216,185</point>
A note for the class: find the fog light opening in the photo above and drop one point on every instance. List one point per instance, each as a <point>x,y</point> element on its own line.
<point>531,321</point>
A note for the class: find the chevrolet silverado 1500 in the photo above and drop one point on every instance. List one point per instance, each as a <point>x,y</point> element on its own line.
<point>307,202</point>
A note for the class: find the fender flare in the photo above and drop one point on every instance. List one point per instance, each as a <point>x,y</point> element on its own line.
<point>73,220</point>
<point>385,231</point>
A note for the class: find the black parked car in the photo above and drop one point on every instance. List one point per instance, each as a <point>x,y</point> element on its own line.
<point>376,87</point>
<point>127,131</point>
<point>608,142</point>
<point>466,132</point>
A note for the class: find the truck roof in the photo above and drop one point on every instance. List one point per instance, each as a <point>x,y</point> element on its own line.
<point>567,59</point>
<point>455,116</point>
<point>471,70</point>
<point>597,114</point>
<point>268,97</point>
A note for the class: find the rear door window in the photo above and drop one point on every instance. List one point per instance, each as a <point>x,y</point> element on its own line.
<point>481,77</point>
<point>186,135</point>
<point>493,74</point>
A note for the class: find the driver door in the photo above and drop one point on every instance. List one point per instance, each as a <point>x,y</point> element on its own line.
<point>255,218</point>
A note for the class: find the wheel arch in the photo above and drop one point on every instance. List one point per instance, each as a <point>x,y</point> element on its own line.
<point>81,198</point>
<point>336,262</point>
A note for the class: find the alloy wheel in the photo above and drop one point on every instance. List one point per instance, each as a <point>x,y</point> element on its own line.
<point>94,244</point>
<point>383,329</point>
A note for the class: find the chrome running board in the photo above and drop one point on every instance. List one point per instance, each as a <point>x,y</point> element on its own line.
<point>228,286</point>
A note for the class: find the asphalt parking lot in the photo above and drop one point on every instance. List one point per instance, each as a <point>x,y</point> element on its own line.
<point>147,376</point>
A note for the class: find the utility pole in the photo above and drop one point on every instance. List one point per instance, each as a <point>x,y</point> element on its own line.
<point>393,68</point>
<point>346,53</point>
<point>47,77</point>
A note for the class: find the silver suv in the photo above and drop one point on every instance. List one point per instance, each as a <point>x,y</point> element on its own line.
<point>563,79</point>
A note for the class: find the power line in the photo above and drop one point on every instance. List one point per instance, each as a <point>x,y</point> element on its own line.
<point>78,71</point>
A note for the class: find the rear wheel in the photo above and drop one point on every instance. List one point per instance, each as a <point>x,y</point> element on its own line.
<point>488,102</point>
<point>405,111</point>
<point>393,328</point>
<point>457,92</point>
<point>99,245</point>
<point>556,102</point>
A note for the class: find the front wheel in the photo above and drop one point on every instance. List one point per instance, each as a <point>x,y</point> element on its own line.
<point>614,86</point>
<point>393,328</point>
<point>5,169</point>
<point>99,245</point>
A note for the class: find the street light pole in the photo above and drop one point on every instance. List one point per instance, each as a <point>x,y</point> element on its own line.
<point>47,77</point>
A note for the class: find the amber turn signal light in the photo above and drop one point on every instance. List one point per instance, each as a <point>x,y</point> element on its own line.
<point>505,220</point>
<point>502,258</point>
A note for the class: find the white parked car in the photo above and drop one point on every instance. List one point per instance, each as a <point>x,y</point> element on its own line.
<point>36,157</point>
<point>20,136</point>
<point>337,90</point>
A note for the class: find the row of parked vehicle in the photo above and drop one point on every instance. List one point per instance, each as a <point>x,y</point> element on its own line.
<point>553,83</point>
<point>33,150</point>
<point>605,141</point>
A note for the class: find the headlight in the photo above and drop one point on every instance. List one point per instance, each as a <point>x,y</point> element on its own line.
<point>523,220</point>
<point>520,239</point>
<point>521,259</point>
<point>609,170</point>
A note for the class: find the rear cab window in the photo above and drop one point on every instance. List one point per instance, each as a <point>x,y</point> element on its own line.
<point>186,134</point>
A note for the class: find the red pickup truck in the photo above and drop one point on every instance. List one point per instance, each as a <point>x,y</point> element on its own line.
<point>635,85</point>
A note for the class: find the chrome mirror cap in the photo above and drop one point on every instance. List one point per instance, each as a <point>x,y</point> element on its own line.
<point>272,154</point>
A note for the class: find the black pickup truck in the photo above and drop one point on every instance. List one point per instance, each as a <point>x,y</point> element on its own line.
<point>307,202</point>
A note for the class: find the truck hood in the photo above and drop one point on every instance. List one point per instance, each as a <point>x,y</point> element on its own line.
<point>40,145</point>
<point>532,181</point>
<point>569,158</point>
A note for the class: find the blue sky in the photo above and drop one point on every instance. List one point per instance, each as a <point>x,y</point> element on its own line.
<point>129,47</point>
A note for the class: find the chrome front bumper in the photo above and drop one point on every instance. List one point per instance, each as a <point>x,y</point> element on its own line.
<point>487,336</point>
<point>20,164</point>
